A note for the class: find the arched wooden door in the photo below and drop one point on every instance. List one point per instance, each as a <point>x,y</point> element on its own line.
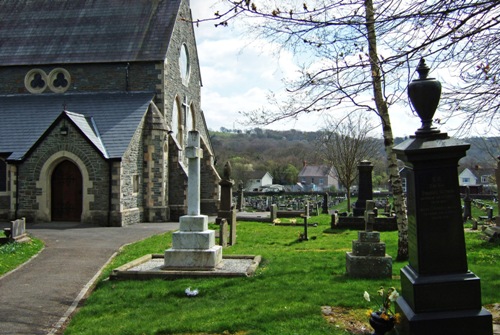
<point>67,185</point>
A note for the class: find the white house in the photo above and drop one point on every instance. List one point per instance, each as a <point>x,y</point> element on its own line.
<point>467,178</point>
<point>259,180</point>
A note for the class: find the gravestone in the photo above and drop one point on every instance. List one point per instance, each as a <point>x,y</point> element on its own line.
<point>274,212</point>
<point>226,208</point>
<point>365,187</point>
<point>439,294</point>
<point>17,231</point>
<point>193,246</point>
<point>326,200</point>
<point>467,205</point>
<point>368,258</point>
<point>493,233</point>
<point>240,203</point>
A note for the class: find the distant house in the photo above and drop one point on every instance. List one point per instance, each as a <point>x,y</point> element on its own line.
<point>318,178</point>
<point>258,181</point>
<point>478,179</point>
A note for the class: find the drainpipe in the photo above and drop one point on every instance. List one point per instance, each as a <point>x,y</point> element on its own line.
<point>127,67</point>
<point>17,192</point>
<point>110,190</point>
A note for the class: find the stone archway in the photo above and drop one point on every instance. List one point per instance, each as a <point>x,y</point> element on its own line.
<point>67,192</point>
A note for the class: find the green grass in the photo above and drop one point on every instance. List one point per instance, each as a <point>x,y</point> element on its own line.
<point>284,297</point>
<point>14,254</point>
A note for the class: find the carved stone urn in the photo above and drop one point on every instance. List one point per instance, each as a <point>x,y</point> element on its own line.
<point>424,95</point>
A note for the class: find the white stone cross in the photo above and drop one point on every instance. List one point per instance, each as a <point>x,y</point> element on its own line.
<point>194,153</point>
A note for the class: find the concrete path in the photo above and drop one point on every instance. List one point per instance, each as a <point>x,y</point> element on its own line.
<point>39,296</point>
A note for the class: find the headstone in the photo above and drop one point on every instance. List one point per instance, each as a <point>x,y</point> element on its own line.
<point>439,294</point>
<point>305,236</point>
<point>324,207</point>
<point>240,204</point>
<point>226,208</point>
<point>223,233</point>
<point>193,246</point>
<point>368,258</point>
<point>274,212</point>
<point>493,233</point>
<point>365,187</point>
<point>467,205</point>
<point>17,230</point>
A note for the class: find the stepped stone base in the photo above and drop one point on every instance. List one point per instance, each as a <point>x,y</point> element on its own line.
<point>458,322</point>
<point>368,258</point>
<point>368,266</point>
<point>193,259</point>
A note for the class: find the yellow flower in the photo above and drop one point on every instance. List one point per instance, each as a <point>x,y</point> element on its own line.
<point>384,316</point>
<point>397,318</point>
<point>369,312</point>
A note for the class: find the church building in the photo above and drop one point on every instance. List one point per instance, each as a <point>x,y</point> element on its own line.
<point>96,101</point>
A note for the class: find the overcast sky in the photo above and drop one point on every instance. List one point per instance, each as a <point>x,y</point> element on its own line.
<point>239,73</point>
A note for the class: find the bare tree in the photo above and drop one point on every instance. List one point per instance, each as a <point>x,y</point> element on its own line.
<point>344,143</point>
<point>361,53</point>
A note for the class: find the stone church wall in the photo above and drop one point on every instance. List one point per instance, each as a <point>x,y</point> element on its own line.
<point>131,191</point>
<point>111,77</point>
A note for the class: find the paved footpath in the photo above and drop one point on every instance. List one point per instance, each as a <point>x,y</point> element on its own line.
<point>39,296</point>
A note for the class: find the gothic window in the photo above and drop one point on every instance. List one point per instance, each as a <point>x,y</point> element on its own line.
<point>3,175</point>
<point>184,64</point>
<point>176,121</point>
<point>188,116</point>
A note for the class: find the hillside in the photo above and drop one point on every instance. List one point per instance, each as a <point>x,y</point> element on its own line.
<point>283,153</point>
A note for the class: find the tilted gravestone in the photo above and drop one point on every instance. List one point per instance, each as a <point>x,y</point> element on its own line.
<point>439,294</point>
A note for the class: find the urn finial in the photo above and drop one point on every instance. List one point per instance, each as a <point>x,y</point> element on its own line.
<point>424,95</point>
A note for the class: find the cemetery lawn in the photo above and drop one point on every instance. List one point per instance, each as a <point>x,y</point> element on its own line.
<point>14,254</point>
<point>286,295</point>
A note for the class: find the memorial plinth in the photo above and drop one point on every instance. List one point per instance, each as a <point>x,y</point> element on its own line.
<point>368,258</point>
<point>439,295</point>
<point>193,246</point>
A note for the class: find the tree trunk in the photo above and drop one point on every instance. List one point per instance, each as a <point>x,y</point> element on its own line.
<point>383,112</point>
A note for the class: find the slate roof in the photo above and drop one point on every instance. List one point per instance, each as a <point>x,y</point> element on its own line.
<point>108,120</point>
<point>83,31</point>
<point>315,171</point>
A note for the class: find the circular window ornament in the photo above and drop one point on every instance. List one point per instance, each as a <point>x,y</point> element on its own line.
<point>184,65</point>
<point>35,81</point>
<point>59,80</point>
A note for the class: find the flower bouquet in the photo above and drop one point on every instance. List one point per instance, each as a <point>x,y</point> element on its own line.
<point>384,318</point>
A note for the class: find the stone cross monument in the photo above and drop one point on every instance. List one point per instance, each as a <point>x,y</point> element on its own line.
<point>368,258</point>
<point>193,246</point>
<point>439,294</point>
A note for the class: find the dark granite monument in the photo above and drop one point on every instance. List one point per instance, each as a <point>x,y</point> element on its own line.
<point>439,294</point>
<point>365,189</point>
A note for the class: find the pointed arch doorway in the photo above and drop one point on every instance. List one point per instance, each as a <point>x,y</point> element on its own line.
<point>66,192</point>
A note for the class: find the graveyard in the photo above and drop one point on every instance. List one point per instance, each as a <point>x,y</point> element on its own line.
<point>297,282</point>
